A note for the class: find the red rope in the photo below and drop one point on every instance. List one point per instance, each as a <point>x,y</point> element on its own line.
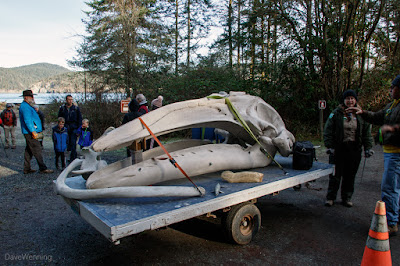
<point>172,160</point>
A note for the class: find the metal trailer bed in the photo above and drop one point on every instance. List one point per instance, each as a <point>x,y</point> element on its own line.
<point>118,218</point>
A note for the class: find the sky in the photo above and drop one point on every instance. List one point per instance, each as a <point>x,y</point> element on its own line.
<point>40,31</point>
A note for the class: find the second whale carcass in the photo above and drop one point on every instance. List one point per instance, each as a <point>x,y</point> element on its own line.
<point>241,152</point>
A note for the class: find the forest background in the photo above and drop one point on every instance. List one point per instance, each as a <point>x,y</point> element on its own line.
<point>290,53</point>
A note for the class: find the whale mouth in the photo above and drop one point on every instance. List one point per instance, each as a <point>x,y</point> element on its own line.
<point>196,157</point>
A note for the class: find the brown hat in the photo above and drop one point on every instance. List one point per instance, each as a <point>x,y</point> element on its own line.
<point>27,93</point>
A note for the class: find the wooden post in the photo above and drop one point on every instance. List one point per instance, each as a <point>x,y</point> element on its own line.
<point>321,106</point>
<point>321,123</point>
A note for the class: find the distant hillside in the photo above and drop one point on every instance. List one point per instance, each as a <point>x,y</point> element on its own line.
<point>23,77</point>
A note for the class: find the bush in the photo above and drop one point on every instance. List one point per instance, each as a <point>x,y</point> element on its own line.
<point>101,110</point>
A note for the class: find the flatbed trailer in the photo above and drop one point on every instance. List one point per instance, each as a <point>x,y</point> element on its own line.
<point>117,218</point>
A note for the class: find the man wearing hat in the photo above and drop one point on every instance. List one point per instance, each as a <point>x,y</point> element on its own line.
<point>9,123</point>
<point>30,127</point>
<point>389,137</point>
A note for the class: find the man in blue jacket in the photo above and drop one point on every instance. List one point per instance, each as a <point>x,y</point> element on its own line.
<point>73,120</point>
<point>31,126</point>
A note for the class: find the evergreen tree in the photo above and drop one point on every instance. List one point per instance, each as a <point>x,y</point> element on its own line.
<point>124,39</point>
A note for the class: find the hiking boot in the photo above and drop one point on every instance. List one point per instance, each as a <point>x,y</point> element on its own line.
<point>13,147</point>
<point>393,229</point>
<point>329,203</point>
<point>30,171</point>
<point>7,147</point>
<point>347,203</point>
<point>47,171</point>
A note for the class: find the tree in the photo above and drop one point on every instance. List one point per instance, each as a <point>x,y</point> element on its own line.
<point>123,38</point>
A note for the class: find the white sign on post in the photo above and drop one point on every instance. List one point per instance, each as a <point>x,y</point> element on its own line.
<point>322,104</point>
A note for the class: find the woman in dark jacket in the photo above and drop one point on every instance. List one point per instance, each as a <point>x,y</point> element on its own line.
<point>131,115</point>
<point>344,136</point>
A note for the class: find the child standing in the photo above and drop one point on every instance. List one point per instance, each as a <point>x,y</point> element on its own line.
<point>85,134</point>
<point>60,141</point>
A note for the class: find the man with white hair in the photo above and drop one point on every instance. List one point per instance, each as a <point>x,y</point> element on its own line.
<point>142,104</point>
<point>31,126</point>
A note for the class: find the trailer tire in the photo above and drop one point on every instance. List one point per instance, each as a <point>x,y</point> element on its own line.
<point>242,223</point>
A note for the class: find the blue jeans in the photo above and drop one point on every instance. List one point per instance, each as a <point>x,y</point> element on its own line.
<point>391,186</point>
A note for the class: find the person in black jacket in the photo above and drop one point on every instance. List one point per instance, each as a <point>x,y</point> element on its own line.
<point>73,120</point>
<point>344,136</point>
<point>42,119</point>
<point>131,115</point>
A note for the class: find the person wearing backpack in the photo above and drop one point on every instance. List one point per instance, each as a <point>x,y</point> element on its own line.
<point>344,136</point>
<point>9,123</point>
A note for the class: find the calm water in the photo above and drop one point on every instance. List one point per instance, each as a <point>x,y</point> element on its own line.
<point>45,98</point>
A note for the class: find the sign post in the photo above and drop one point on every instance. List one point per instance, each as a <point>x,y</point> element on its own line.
<point>321,106</point>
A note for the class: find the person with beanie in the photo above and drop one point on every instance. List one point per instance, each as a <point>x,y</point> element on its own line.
<point>389,136</point>
<point>344,136</point>
<point>156,103</point>
<point>9,124</point>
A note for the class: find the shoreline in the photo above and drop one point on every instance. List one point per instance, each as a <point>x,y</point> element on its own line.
<point>46,98</point>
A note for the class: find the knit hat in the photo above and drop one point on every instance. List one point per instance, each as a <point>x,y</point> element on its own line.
<point>350,93</point>
<point>141,99</point>
<point>157,102</point>
<point>9,105</point>
<point>396,81</point>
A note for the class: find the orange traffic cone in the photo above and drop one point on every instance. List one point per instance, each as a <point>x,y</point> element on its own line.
<point>377,249</point>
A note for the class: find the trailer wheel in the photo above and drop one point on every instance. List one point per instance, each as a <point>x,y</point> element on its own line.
<point>242,223</point>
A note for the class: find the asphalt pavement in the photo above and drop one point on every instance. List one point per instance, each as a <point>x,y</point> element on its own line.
<point>38,227</point>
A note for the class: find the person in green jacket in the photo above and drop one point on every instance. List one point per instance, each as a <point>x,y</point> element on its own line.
<point>344,136</point>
